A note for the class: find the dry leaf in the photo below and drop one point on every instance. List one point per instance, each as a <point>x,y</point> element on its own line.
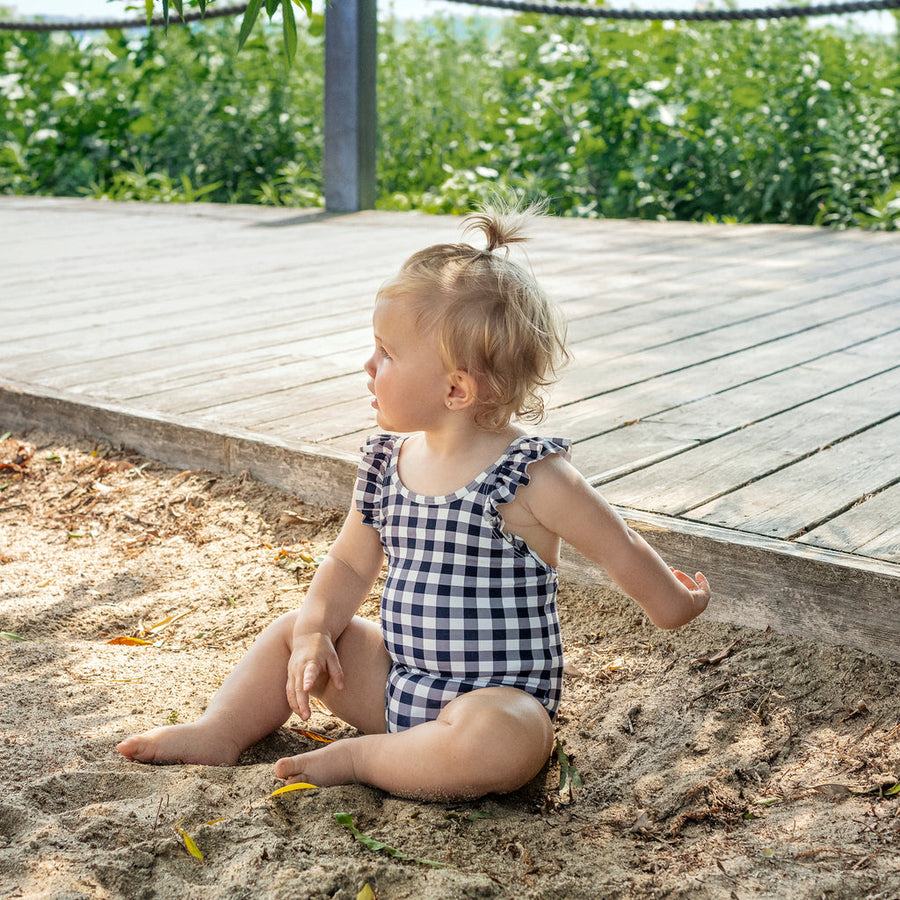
<point>313,736</point>
<point>716,657</point>
<point>642,822</point>
<point>131,642</point>
<point>189,843</point>
<point>299,786</point>
<point>159,626</point>
<point>835,791</point>
<point>291,518</point>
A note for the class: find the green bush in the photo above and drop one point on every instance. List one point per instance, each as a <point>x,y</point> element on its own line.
<point>115,116</point>
<point>750,122</point>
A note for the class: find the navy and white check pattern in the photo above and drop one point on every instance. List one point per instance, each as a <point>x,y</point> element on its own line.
<point>465,605</point>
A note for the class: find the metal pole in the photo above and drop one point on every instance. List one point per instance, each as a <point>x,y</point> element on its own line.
<point>350,111</point>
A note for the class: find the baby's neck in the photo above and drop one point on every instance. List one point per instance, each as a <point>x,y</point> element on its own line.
<point>436,465</point>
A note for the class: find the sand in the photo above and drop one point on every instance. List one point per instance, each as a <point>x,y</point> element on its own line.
<point>714,761</point>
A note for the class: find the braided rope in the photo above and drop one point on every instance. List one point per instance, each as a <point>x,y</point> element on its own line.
<point>595,12</point>
<point>113,24</point>
<point>548,8</point>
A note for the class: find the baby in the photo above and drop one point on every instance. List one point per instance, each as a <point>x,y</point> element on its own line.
<point>455,692</point>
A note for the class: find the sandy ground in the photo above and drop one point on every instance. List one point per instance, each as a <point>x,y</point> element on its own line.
<point>715,762</point>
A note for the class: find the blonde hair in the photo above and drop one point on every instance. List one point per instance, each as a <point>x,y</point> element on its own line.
<point>489,315</point>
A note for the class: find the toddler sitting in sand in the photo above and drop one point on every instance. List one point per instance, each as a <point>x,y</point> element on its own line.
<point>456,691</point>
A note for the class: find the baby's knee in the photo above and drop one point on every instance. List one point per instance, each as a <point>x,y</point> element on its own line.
<point>506,737</point>
<point>281,629</point>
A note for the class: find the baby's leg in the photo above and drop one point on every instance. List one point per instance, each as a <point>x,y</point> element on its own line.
<point>250,704</point>
<point>252,701</point>
<point>491,740</point>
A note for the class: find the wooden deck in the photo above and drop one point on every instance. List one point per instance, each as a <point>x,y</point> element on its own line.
<point>734,390</point>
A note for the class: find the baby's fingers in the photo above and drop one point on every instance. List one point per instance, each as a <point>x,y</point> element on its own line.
<point>310,674</point>
<point>684,578</point>
<point>702,583</point>
<point>335,672</point>
<point>298,688</point>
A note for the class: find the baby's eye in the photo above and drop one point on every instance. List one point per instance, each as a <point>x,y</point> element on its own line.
<point>383,353</point>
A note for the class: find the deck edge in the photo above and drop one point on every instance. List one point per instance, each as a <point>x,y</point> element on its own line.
<point>321,475</point>
<point>759,582</point>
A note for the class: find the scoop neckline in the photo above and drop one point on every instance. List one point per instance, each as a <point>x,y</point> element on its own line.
<point>441,499</point>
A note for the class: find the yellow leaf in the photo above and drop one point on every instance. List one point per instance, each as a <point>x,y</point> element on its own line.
<point>189,843</point>
<point>131,642</point>
<point>164,624</point>
<point>366,893</point>
<point>313,736</point>
<point>299,786</point>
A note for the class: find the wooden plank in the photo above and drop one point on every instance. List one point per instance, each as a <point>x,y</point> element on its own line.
<point>760,583</point>
<point>330,425</point>
<point>280,381</point>
<point>213,298</point>
<point>817,488</point>
<point>749,311</point>
<point>687,311</point>
<point>720,465</point>
<point>296,403</point>
<point>586,418</point>
<point>222,395</point>
<point>319,474</point>
<point>669,432</point>
<point>870,529</point>
<point>90,377</point>
<point>645,364</point>
<point>224,357</point>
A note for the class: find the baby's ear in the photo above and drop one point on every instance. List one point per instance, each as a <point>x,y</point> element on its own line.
<point>463,389</point>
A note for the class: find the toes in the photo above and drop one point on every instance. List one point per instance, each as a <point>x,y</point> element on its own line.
<point>289,767</point>
<point>131,748</point>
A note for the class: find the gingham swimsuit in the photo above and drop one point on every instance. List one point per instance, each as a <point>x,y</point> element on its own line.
<point>464,606</point>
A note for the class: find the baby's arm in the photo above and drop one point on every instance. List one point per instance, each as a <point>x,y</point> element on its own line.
<point>339,587</point>
<point>563,502</point>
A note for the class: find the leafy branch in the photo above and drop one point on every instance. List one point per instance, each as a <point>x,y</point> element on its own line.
<point>251,14</point>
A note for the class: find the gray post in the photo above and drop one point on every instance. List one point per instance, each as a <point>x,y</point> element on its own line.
<point>350,112</point>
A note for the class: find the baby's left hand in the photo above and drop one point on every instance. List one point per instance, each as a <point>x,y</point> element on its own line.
<point>699,590</point>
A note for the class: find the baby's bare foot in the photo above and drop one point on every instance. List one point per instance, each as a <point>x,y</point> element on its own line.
<point>326,767</point>
<point>193,743</point>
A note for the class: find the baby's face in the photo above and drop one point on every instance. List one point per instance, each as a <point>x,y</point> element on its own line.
<point>406,373</point>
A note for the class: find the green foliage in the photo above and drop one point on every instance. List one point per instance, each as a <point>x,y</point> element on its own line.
<point>251,14</point>
<point>779,122</point>
<point>117,115</point>
<point>748,122</point>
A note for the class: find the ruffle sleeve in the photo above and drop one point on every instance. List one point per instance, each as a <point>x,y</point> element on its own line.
<point>512,472</point>
<point>376,456</point>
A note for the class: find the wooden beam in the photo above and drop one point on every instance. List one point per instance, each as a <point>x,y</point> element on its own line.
<point>319,475</point>
<point>350,111</point>
<point>823,595</point>
<point>816,594</point>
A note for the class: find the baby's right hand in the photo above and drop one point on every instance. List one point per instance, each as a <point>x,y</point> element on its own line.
<point>312,656</point>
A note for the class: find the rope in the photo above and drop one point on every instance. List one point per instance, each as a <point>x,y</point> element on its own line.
<point>113,24</point>
<point>549,8</point>
<point>595,12</point>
